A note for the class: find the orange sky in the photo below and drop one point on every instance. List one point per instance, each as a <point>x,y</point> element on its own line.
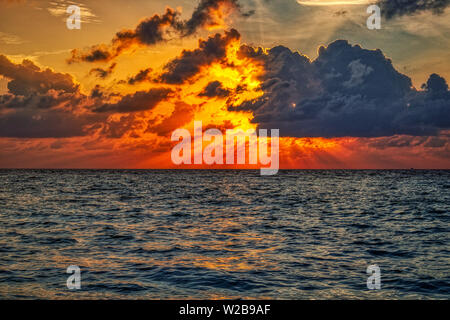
<point>140,138</point>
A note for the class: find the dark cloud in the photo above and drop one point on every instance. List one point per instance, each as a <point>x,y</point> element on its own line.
<point>215,89</point>
<point>152,30</point>
<point>205,15</point>
<point>141,76</point>
<point>96,53</point>
<point>160,28</point>
<point>55,114</point>
<point>103,73</point>
<point>190,62</point>
<point>148,32</point>
<point>34,100</point>
<point>139,101</point>
<point>27,78</point>
<point>346,91</point>
<point>436,86</point>
<point>59,123</point>
<point>33,88</point>
<point>394,8</point>
<point>42,103</point>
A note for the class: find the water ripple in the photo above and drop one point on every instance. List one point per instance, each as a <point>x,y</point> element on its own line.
<point>224,234</point>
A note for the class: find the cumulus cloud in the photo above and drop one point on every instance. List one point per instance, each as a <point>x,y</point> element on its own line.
<point>148,32</point>
<point>27,78</point>
<point>436,86</point>
<point>396,8</point>
<point>139,101</point>
<point>54,114</point>
<point>160,28</point>
<point>41,103</point>
<point>346,91</point>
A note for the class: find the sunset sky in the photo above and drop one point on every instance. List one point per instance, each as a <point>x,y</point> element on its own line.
<point>110,94</point>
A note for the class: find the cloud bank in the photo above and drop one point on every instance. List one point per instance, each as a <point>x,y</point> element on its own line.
<point>346,91</point>
<point>41,103</point>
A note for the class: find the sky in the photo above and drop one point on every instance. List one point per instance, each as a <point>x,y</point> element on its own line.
<point>110,94</point>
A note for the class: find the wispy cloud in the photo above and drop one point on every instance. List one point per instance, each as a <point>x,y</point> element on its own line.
<point>7,38</point>
<point>58,9</point>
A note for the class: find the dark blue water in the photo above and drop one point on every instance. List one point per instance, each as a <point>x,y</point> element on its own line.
<point>224,234</point>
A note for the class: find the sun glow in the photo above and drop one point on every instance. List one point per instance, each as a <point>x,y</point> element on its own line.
<point>241,77</point>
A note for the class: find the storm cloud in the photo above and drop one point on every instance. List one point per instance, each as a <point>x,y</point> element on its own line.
<point>346,91</point>
<point>41,103</point>
<point>27,78</point>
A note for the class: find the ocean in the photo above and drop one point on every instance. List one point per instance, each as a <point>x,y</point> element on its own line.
<point>224,234</point>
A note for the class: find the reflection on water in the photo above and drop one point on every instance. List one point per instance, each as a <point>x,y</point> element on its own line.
<point>224,234</point>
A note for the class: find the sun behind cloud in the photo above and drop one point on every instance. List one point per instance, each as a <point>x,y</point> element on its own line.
<point>350,107</point>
